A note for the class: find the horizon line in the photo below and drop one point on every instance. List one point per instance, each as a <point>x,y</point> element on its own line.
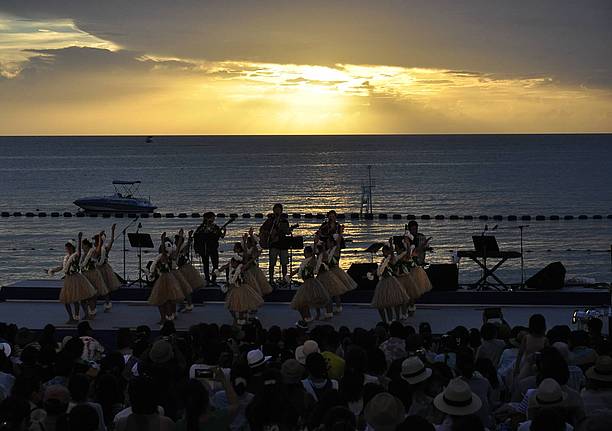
<point>229,135</point>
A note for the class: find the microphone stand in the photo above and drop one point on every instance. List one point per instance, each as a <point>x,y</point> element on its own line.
<point>124,246</point>
<point>484,257</point>
<point>139,280</point>
<point>521,227</point>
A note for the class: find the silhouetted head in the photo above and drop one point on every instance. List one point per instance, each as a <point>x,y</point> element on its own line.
<point>413,227</point>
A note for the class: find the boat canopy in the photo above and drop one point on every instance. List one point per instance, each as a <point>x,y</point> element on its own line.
<point>120,182</point>
<point>126,189</point>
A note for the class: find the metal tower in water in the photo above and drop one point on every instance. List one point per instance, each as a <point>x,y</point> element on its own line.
<point>366,194</point>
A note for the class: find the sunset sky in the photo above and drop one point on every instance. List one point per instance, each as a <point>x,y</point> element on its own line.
<point>156,67</point>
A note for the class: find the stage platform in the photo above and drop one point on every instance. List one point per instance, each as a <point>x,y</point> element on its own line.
<point>48,290</point>
<point>442,318</point>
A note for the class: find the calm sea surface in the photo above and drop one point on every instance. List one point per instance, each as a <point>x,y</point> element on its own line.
<point>446,175</point>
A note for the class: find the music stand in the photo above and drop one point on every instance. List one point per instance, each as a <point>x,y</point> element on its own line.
<point>140,240</point>
<point>485,244</point>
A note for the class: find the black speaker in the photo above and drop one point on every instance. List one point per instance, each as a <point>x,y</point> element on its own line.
<point>359,273</point>
<point>552,277</point>
<point>296,242</point>
<point>443,276</point>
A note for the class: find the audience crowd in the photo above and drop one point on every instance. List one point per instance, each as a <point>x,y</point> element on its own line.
<point>391,377</point>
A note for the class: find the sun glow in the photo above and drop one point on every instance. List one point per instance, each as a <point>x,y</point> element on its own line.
<point>79,76</point>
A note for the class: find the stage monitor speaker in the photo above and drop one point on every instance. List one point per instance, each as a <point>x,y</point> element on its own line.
<point>359,273</point>
<point>443,276</point>
<point>552,277</point>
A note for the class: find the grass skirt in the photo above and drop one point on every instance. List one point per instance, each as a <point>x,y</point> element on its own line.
<point>332,284</point>
<point>192,275</point>
<point>166,288</point>
<point>110,278</point>
<point>182,281</point>
<point>255,277</point>
<point>389,293</point>
<point>346,279</point>
<point>421,280</point>
<point>311,294</point>
<point>243,297</point>
<point>76,289</point>
<point>409,285</point>
<point>97,281</point>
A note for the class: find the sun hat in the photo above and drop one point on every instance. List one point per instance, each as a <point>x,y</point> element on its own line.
<point>548,394</point>
<point>302,352</point>
<point>256,358</point>
<point>413,370</point>
<point>602,370</point>
<point>457,399</point>
<point>384,412</point>
<point>161,352</point>
<point>292,371</point>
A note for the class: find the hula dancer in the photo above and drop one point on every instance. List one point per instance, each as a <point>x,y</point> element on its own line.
<point>389,295</point>
<point>110,278</point>
<point>334,286</point>
<point>89,259</point>
<point>174,270</point>
<point>311,294</point>
<point>401,269</point>
<point>186,268</point>
<point>241,299</point>
<point>166,290</point>
<point>417,253</point>
<point>346,280</point>
<point>252,273</point>
<point>76,289</point>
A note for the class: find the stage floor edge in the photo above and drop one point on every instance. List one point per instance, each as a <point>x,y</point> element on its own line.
<point>48,290</point>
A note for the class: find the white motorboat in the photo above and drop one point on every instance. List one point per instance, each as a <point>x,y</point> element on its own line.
<point>123,201</point>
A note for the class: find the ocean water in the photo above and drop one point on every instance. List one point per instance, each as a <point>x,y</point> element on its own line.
<point>445,175</point>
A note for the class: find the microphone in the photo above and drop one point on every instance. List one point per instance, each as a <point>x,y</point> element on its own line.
<point>494,227</point>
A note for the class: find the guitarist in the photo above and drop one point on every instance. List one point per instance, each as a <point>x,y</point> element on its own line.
<point>206,244</point>
<point>274,235</point>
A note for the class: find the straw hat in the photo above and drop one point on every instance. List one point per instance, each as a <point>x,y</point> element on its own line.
<point>548,394</point>
<point>602,370</point>
<point>292,371</point>
<point>302,352</point>
<point>384,412</point>
<point>256,358</point>
<point>413,370</point>
<point>161,352</point>
<point>457,399</point>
